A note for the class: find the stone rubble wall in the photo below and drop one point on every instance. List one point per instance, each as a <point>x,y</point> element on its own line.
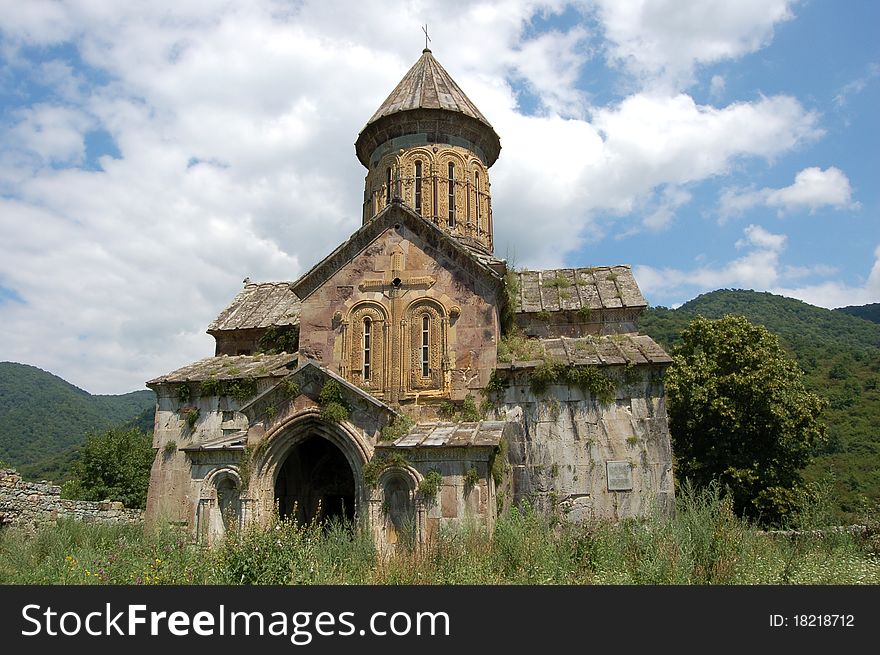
<point>35,504</point>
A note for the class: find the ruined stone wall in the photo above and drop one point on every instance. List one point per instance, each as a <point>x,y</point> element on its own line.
<point>570,453</point>
<point>34,504</point>
<point>170,498</point>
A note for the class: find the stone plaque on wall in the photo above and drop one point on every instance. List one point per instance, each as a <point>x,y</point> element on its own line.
<point>620,477</point>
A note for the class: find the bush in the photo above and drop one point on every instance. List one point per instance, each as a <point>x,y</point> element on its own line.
<point>114,465</point>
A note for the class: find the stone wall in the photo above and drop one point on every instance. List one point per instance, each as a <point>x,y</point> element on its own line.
<point>33,504</point>
<point>572,454</point>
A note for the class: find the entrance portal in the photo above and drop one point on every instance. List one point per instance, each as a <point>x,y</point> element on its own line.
<point>315,483</point>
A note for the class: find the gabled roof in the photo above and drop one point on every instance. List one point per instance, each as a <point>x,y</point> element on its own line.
<point>570,289</point>
<point>259,305</point>
<point>427,85</point>
<point>312,368</point>
<point>311,378</point>
<point>608,350</point>
<point>395,213</point>
<point>231,367</point>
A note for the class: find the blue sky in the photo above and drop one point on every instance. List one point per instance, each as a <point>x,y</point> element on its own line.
<point>155,155</point>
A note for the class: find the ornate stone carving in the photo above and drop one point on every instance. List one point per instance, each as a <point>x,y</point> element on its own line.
<point>372,316</point>
<point>436,347</point>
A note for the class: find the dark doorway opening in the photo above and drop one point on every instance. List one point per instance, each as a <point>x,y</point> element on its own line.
<point>315,483</point>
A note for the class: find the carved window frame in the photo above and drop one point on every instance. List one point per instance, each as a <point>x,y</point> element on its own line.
<point>451,200</point>
<point>376,316</point>
<point>437,347</point>
<point>418,180</point>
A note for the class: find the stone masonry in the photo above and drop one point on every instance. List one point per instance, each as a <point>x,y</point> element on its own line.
<point>410,380</point>
<point>35,504</point>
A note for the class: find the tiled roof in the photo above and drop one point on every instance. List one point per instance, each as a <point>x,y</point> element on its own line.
<point>426,435</point>
<point>229,367</point>
<point>601,287</point>
<point>428,101</point>
<point>427,85</point>
<point>598,351</point>
<point>259,306</point>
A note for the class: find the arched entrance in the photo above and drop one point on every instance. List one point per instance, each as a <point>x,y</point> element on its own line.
<point>315,482</point>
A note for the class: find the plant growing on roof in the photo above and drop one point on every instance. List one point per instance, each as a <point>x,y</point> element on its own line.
<point>333,405</point>
<point>399,426</point>
<point>278,339</point>
<point>560,282</point>
<point>242,389</point>
<point>290,387</point>
<point>209,387</point>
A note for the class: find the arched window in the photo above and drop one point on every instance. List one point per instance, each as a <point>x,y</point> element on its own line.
<point>426,343</point>
<point>477,197</point>
<point>426,354</point>
<point>451,185</point>
<point>368,335</point>
<point>418,192</point>
<point>400,511</point>
<point>228,502</point>
<point>367,350</point>
<point>388,186</point>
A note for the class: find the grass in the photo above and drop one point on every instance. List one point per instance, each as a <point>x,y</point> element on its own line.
<point>705,543</point>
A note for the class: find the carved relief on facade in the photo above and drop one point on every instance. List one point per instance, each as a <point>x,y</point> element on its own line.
<point>382,185</point>
<point>452,171</point>
<point>479,210</point>
<point>426,324</point>
<point>446,184</point>
<point>367,329</point>
<point>417,180</point>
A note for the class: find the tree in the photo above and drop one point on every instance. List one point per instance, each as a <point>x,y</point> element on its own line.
<point>114,465</point>
<point>739,413</point>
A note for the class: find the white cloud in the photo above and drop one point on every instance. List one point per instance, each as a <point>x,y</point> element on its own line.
<point>550,63</point>
<point>664,40</point>
<point>856,86</point>
<point>760,269</point>
<point>757,236</point>
<point>54,134</point>
<point>234,124</point>
<point>812,189</point>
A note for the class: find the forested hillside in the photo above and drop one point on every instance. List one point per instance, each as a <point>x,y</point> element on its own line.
<point>43,419</point>
<point>840,356</point>
<point>868,312</point>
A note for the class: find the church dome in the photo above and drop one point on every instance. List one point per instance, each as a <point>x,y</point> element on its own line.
<point>427,101</point>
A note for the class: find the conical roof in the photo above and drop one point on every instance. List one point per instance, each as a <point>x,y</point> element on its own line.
<point>428,101</point>
<point>427,85</point>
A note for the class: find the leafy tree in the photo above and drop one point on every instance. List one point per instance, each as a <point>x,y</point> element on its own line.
<point>114,465</point>
<point>739,413</point>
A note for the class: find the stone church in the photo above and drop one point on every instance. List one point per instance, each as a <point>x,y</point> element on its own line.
<point>410,380</point>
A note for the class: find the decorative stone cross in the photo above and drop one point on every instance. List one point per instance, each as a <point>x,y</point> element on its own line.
<point>396,280</point>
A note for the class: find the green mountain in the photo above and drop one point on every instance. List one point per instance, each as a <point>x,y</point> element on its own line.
<point>868,312</point>
<point>840,356</point>
<point>43,419</point>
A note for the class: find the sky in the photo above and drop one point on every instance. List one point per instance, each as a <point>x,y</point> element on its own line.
<point>153,155</point>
